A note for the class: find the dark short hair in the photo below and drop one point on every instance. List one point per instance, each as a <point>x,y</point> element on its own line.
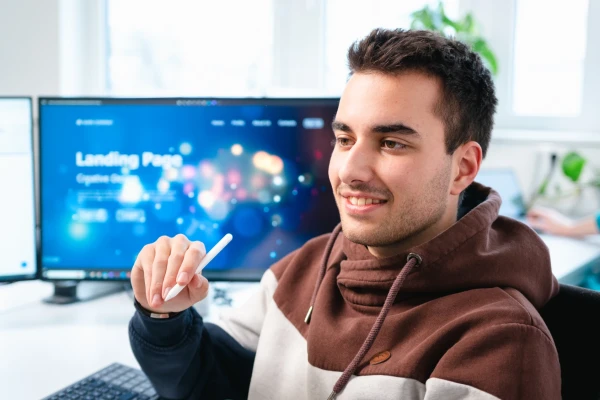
<point>468,101</point>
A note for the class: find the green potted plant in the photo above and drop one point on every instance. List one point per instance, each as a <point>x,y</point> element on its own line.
<point>464,29</point>
<point>576,177</point>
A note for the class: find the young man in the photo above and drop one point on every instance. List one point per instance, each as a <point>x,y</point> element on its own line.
<point>422,292</point>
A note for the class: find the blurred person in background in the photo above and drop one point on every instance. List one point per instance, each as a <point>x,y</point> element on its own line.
<point>553,222</point>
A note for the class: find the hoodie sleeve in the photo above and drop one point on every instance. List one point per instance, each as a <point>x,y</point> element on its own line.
<point>509,361</point>
<point>185,358</point>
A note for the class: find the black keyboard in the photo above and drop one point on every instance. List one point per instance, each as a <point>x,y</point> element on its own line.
<point>115,382</point>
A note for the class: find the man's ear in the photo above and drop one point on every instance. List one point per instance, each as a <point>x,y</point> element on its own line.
<point>467,161</point>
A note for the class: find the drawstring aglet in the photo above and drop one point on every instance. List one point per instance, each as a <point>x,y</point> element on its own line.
<point>332,396</point>
<point>308,314</point>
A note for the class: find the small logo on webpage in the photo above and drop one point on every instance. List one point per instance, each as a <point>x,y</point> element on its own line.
<point>94,122</point>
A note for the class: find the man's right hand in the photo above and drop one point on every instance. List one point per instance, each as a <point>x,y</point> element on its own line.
<point>161,265</point>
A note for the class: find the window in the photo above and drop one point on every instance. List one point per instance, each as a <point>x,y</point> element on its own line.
<point>203,48</point>
<point>549,57</point>
<point>546,51</point>
<point>189,48</point>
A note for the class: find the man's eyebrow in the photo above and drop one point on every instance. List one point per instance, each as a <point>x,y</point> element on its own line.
<point>340,126</point>
<point>395,128</point>
<point>387,128</point>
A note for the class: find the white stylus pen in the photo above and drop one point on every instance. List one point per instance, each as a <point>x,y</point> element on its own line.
<point>207,258</point>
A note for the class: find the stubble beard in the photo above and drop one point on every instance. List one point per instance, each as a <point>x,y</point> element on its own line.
<point>415,215</point>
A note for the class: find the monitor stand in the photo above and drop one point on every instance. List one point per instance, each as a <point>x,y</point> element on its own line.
<point>222,296</point>
<point>227,294</point>
<point>67,292</point>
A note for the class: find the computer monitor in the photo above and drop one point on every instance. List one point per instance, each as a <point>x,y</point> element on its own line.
<point>116,174</point>
<point>505,182</point>
<point>17,201</point>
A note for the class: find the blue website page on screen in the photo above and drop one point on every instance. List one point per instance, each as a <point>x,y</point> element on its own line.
<point>118,174</point>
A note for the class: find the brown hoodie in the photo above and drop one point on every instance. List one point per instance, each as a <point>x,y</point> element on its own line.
<point>463,325</point>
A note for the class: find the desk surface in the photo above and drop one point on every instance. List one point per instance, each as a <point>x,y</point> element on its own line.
<point>46,347</point>
<point>572,258</point>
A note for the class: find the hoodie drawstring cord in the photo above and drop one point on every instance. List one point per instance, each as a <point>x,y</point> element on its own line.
<point>323,268</point>
<point>412,261</point>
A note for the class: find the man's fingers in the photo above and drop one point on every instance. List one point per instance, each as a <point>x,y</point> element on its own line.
<point>193,256</point>
<point>138,282</point>
<point>197,288</point>
<point>179,247</point>
<point>159,268</point>
<point>141,273</point>
<point>162,264</point>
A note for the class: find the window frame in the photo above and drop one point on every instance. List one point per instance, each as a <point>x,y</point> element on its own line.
<point>83,48</point>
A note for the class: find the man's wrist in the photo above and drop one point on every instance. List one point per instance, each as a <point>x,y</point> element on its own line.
<point>154,314</point>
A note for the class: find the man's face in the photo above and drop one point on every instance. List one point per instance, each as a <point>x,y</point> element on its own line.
<point>390,171</point>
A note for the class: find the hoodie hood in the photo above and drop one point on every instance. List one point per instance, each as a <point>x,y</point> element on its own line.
<point>481,250</point>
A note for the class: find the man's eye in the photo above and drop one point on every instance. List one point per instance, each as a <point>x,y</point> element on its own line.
<point>392,145</point>
<point>341,141</point>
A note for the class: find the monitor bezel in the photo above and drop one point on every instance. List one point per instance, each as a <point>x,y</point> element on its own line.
<point>36,274</point>
<point>229,275</point>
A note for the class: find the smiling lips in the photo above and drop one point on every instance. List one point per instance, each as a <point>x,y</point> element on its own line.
<point>359,205</point>
<point>362,201</point>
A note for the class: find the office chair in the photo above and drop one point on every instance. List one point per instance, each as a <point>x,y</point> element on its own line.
<point>573,318</point>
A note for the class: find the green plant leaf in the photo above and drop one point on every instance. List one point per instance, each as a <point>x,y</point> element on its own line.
<point>454,25</point>
<point>481,47</point>
<point>465,30</point>
<point>468,24</point>
<point>543,187</point>
<point>441,18</point>
<point>423,19</point>
<point>572,165</point>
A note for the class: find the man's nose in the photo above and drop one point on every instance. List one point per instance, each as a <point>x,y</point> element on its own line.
<point>357,166</point>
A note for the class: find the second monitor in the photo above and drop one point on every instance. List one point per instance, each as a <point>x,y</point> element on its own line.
<point>118,173</point>
<point>17,206</point>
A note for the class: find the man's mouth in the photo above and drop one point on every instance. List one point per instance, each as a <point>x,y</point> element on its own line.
<point>357,206</point>
<point>364,201</point>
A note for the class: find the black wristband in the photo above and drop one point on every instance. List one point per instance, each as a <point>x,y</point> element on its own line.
<point>152,314</point>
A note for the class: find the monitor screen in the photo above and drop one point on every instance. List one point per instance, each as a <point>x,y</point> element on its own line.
<point>116,174</point>
<point>504,181</point>
<point>17,202</point>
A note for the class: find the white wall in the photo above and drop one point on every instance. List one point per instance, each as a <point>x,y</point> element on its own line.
<point>298,43</point>
<point>30,53</point>
<point>29,47</point>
